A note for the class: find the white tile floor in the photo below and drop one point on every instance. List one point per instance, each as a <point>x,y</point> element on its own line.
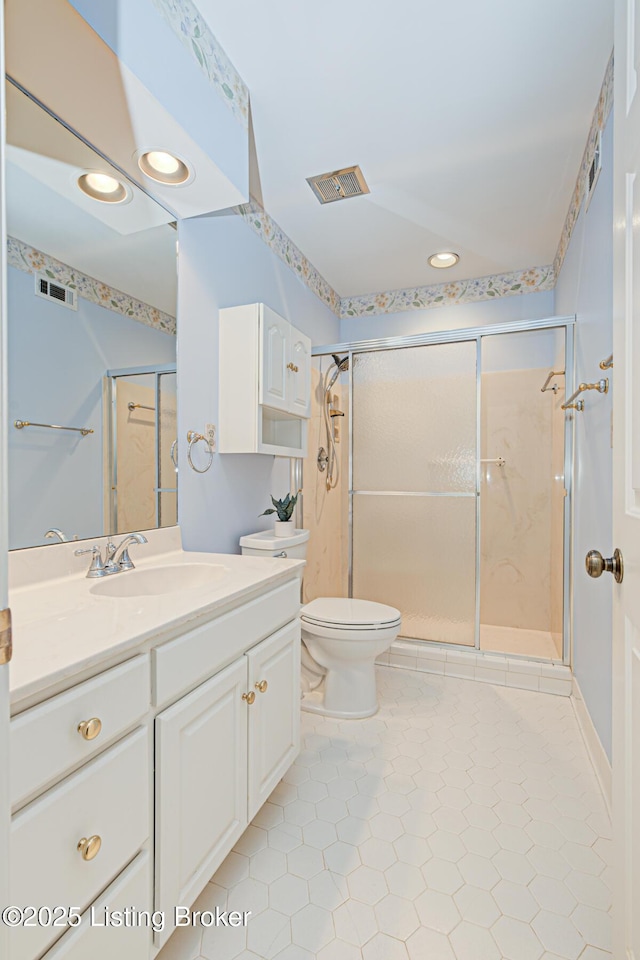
<point>462,822</point>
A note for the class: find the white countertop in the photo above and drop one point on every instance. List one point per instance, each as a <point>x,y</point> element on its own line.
<point>62,627</point>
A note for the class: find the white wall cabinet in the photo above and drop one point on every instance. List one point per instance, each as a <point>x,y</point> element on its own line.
<point>265,383</point>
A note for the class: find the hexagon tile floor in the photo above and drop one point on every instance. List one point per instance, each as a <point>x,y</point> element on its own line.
<point>462,822</point>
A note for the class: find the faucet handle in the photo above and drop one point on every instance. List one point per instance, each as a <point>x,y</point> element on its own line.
<point>97,567</point>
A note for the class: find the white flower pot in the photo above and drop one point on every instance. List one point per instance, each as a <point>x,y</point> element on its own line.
<point>284,528</point>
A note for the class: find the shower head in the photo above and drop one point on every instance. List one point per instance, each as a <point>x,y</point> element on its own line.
<point>343,364</point>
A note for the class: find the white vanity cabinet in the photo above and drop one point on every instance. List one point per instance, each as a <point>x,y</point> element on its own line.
<point>97,823</point>
<point>265,382</point>
<point>220,751</point>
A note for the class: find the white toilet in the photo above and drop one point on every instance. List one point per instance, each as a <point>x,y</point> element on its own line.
<point>341,636</point>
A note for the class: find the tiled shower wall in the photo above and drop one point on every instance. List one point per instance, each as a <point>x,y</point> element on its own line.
<point>326,512</point>
<point>522,503</point>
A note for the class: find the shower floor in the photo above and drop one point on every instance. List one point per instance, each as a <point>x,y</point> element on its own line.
<point>531,643</point>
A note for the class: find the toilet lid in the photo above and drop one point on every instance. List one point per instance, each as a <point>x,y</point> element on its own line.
<point>344,611</point>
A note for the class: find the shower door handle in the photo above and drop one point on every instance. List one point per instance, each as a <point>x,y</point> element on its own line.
<point>596,564</point>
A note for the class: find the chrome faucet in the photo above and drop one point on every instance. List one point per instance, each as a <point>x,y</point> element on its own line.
<point>55,532</point>
<point>116,557</point>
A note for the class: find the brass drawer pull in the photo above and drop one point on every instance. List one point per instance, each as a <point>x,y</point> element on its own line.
<point>90,729</point>
<point>292,367</point>
<point>262,686</point>
<point>89,847</point>
<point>249,697</point>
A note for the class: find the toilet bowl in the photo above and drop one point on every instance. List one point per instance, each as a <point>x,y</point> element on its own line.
<point>342,637</point>
<point>345,636</point>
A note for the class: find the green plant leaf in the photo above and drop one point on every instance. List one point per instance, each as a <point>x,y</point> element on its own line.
<point>267,512</point>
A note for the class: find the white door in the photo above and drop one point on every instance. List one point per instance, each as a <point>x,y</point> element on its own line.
<point>201,786</point>
<point>300,370</point>
<point>626,496</point>
<point>274,716</point>
<point>4,637</point>
<point>274,357</point>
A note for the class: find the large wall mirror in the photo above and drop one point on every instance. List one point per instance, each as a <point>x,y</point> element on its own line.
<point>92,275</point>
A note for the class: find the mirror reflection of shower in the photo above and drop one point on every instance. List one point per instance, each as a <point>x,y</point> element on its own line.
<point>327,458</point>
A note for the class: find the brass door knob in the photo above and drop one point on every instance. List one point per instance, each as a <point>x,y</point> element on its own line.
<point>262,685</point>
<point>292,367</point>
<point>249,697</point>
<point>90,729</point>
<point>89,847</point>
<point>596,564</point>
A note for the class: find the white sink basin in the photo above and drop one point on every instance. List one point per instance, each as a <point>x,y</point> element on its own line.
<point>160,581</point>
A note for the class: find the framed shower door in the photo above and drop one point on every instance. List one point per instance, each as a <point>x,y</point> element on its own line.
<point>414,486</point>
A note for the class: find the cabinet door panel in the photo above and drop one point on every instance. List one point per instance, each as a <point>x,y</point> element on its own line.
<point>201,787</point>
<point>274,354</point>
<point>300,377</point>
<point>274,717</point>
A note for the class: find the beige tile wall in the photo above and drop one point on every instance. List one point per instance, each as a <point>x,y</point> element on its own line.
<point>325,512</point>
<point>521,503</point>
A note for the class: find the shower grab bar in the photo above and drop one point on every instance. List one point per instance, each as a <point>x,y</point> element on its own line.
<point>139,406</point>
<point>606,364</point>
<point>499,460</point>
<point>555,387</point>
<point>20,424</point>
<point>602,386</point>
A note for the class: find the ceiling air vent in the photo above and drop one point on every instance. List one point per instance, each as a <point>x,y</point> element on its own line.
<point>339,185</point>
<point>49,290</point>
<point>593,172</point>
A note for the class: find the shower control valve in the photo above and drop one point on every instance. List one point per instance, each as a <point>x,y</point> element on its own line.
<point>322,459</point>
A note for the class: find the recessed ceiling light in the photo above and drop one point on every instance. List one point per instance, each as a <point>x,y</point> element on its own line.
<point>163,167</point>
<point>101,186</point>
<point>443,260</point>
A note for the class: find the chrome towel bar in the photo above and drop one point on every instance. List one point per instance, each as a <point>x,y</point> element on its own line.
<point>20,424</point>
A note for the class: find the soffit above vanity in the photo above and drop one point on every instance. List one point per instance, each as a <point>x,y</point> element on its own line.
<point>113,84</point>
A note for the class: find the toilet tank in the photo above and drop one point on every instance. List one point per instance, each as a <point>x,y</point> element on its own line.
<point>266,544</point>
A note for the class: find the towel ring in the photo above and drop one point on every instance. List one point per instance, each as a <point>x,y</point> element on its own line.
<point>193,438</point>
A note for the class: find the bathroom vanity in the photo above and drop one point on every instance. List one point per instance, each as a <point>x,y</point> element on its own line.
<point>153,712</point>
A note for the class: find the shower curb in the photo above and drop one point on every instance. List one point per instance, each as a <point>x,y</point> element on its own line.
<point>540,675</point>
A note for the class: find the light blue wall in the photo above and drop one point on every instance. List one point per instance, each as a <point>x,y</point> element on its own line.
<point>57,358</point>
<point>585,287</point>
<point>222,263</point>
<point>527,306</point>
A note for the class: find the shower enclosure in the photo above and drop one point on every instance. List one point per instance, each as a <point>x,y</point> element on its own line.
<point>141,478</point>
<point>457,484</point>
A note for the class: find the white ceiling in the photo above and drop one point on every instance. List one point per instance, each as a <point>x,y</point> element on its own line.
<point>468,120</point>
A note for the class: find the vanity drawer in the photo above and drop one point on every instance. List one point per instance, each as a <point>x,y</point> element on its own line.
<point>45,742</point>
<point>183,663</point>
<point>89,941</point>
<point>108,798</point>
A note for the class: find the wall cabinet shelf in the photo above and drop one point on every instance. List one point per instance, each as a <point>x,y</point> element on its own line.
<point>265,383</point>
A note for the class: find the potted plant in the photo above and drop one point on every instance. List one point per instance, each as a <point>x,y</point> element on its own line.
<point>283,526</point>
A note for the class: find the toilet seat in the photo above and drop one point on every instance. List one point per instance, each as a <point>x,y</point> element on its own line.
<point>342,613</point>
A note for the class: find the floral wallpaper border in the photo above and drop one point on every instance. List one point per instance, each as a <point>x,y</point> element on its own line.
<point>598,122</point>
<point>30,260</point>
<point>195,35</point>
<point>276,239</point>
<point>450,294</point>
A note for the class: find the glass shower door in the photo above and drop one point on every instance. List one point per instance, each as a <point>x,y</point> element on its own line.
<point>414,486</point>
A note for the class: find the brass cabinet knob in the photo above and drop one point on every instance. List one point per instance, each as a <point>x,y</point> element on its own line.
<point>596,564</point>
<point>262,685</point>
<point>90,729</point>
<point>249,697</point>
<point>89,847</point>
